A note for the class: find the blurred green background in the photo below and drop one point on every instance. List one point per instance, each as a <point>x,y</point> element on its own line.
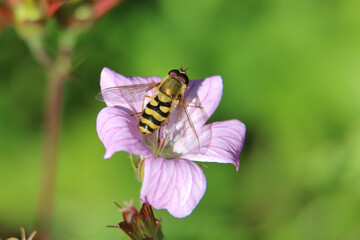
<point>291,72</point>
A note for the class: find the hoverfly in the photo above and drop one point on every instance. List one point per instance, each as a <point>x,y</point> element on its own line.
<point>168,96</point>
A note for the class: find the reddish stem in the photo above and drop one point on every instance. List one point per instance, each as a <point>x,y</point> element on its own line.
<point>50,155</point>
<point>58,73</point>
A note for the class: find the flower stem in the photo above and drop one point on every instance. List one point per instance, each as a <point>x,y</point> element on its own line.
<point>58,73</point>
<point>40,54</point>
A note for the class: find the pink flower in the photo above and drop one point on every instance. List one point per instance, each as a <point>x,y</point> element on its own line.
<point>171,178</point>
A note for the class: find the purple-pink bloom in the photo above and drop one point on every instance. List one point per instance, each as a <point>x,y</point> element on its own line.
<point>171,180</point>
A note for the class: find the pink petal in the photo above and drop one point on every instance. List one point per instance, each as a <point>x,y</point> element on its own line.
<point>206,93</point>
<point>220,142</point>
<point>175,185</point>
<point>109,79</point>
<point>120,132</point>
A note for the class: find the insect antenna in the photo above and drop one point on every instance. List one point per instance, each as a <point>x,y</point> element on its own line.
<point>182,70</point>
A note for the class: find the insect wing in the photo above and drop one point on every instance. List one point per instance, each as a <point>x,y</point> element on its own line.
<point>128,93</point>
<point>182,130</point>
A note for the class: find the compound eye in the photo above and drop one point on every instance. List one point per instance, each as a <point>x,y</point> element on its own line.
<point>183,78</point>
<point>174,73</point>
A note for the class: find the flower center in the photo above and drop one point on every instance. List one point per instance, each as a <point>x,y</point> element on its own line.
<point>162,145</point>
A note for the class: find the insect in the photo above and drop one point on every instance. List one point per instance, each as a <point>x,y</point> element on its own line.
<point>168,95</point>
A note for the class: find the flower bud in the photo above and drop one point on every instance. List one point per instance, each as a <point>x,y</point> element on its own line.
<point>80,15</point>
<point>139,225</point>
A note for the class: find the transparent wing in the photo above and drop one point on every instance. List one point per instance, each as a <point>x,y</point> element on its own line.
<point>182,128</point>
<point>180,133</point>
<point>129,93</point>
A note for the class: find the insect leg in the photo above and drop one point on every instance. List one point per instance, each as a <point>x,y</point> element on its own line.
<point>187,105</point>
<point>190,121</point>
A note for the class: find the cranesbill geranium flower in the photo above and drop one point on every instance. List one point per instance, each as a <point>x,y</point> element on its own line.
<point>171,179</point>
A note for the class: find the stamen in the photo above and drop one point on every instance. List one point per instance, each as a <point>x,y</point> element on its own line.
<point>162,144</point>
<point>164,141</point>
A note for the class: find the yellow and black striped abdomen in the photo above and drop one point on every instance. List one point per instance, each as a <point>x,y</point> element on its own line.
<point>154,114</point>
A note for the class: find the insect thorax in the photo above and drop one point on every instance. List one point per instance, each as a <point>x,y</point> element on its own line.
<point>171,87</point>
